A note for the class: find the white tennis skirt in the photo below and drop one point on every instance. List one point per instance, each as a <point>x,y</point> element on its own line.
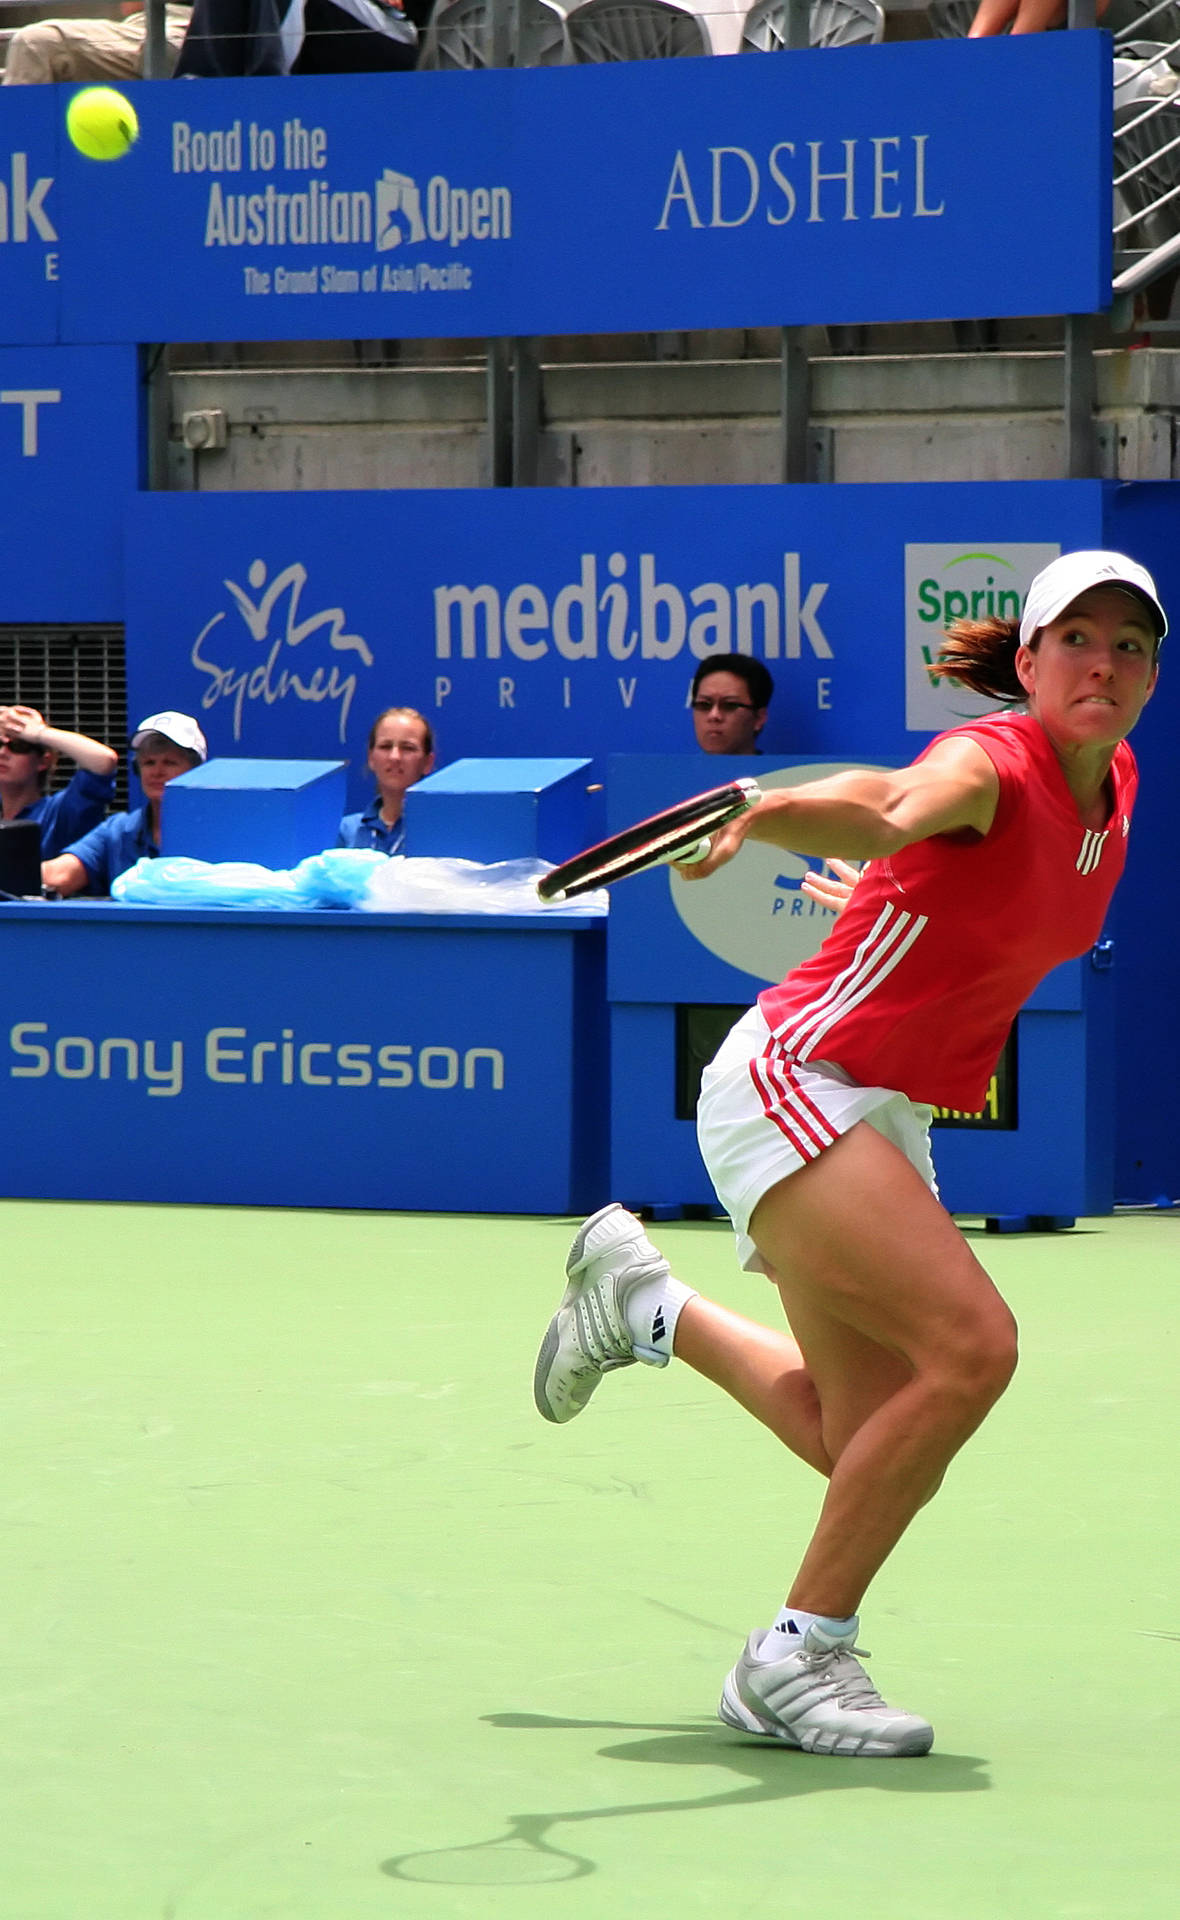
<point>761,1117</point>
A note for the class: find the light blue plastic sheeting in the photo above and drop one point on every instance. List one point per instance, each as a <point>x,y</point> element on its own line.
<point>441,885</point>
<point>337,878</point>
<point>347,877</point>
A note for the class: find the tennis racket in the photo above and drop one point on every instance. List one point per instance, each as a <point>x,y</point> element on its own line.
<point>679,833</point>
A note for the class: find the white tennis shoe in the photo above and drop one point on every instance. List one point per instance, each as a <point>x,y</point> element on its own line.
<point>588,1335</point>
<point>819,1699</point>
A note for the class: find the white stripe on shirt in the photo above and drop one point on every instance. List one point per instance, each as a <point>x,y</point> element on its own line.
<point>888,943</point>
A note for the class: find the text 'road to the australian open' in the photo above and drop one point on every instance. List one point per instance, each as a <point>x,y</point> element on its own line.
<point>395,212</point>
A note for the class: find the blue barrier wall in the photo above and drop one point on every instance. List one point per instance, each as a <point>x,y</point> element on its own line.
<point>702,193</point>
<point>330,1060</point>
<point>70,460</point>
<point>1145,918</point>
<point>571,621</point>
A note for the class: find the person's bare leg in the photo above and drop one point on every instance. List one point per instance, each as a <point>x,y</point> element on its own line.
<point>866,1254</point>
<point>991,17</point>
<point>762,1370</point>
<point>1026,16</point>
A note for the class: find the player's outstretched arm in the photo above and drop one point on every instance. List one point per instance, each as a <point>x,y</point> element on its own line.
<point>868,814</point>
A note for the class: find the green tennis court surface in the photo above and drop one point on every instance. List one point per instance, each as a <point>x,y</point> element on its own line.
<point>308,1614</point>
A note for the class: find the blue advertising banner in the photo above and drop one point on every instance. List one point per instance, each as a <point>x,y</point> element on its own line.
<point>647,195</point>
<point>570,622</point>
<point>69,463</point>
<point>339,1059</point>
<point>1143,520</point>
<point>31,208</point>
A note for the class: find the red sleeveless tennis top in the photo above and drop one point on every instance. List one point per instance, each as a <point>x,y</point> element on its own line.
<point>923,974</point>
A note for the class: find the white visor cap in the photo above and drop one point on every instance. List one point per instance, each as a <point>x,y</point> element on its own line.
<point>180,728</point>
<point>1058,585</point>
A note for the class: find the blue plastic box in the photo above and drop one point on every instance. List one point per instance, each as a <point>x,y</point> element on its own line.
<point>274,812</point>
<point>506,809</point>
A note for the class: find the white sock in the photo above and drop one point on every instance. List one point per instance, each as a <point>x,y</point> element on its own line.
<point>790,1625</point>
<point>651,1312</point>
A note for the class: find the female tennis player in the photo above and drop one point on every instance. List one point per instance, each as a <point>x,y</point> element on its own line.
<point>991,859</point>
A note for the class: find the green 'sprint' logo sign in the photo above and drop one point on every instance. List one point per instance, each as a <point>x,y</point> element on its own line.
<point>940,603</point>
<point>946,583</point>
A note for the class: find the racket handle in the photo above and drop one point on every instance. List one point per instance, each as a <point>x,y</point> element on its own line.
<point>700,850</point>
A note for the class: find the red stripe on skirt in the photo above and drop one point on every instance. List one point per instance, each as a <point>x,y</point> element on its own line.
<point>808,1132</point>
<point>777,1058</point>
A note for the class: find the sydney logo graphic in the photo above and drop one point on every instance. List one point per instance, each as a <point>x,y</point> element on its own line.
<point>273,652</point>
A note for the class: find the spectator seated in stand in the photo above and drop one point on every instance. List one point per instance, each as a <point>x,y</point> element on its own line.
<point>29,747</point>
<point>228,39</point>
<point>401,752</point>
<point>730,695</point>
<point>87,50</point>
<point>1021,16</point>
<point>164,745</point>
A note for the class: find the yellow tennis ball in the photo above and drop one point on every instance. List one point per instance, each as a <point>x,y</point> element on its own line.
<point>101,123</point>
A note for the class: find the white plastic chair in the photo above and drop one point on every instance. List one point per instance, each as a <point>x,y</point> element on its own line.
<point>634,30</point>
<point>460,35</point>
<point>833,23</point>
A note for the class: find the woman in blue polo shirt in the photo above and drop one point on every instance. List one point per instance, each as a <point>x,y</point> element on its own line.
<point>401,752</point>
<point>164,745</point>
<point>29,747</point>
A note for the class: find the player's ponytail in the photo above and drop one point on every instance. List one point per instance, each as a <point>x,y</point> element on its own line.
<point>981,654</point>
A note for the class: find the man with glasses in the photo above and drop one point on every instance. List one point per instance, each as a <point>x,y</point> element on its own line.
<point>730,695</point>
<point>28,752</point>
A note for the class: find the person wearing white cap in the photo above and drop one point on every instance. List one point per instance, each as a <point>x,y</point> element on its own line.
<point>1053,590</point>
<point>164,745</point>
<point>991,860</point>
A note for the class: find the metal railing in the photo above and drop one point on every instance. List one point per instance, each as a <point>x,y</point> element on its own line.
<point>503,38</point>
<point>1146,151</point>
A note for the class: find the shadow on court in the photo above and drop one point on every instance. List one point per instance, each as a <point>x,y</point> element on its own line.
<point>525,1852</point>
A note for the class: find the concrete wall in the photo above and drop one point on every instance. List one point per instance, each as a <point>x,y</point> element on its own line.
<point>941,416</point>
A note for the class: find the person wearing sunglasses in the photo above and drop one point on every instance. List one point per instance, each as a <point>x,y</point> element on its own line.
<point>730,695</point>
<point>28,753</point>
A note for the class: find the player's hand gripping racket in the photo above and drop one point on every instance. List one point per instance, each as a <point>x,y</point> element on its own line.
<point>679,833</point>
